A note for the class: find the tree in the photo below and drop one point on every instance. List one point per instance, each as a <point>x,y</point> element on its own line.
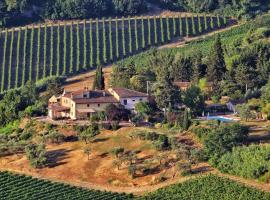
<point>166,94</point>
<point>217,67</point>
<point>116,113</point>
<point>87,151</point>
<point>36,154</point>
<point>143,108</point>
<point>186,121</point>
<point>117,151</point>
<point>99,83</point>
<point>88,134</point>
<point>222,140</point>
<point>194,99</point>
<point>244,111</point>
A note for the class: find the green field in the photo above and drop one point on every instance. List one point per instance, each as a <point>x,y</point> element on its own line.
<point>208,188</point>
<point>13,187</point>
<point>36,52</point>
<point>21,187</point>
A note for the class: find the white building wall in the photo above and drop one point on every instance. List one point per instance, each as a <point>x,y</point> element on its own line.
<point>131,102</point>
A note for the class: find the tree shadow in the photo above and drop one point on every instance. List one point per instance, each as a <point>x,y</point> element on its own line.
<point>202,169</point>
<point>100,140</point>
<point>55,158</point>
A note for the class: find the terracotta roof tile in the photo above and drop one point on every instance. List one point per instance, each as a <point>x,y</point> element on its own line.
<point>127,93</point>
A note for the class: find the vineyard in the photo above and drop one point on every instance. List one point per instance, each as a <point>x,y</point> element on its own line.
<point>25,187</point>
<point>36,52</point>
<point>208,187</point>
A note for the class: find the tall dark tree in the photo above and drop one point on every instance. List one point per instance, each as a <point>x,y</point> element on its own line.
<point>216,67</point>
<point>99,83</point>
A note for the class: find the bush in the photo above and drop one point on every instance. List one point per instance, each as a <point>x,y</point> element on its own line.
<point>222,140</point>
<point>249,162</point>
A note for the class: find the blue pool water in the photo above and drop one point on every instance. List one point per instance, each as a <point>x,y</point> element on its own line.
<point>220,118</point>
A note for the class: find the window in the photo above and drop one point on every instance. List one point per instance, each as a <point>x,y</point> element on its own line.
<point>140,99</point>
<point>133,100</point>
<point>88,105</point>
<point>98,105</point>
<point>85,95</point>
<point>125,102</point>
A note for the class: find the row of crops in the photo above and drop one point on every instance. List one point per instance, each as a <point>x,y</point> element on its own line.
<point>13,187</point>
<point>33,53</point>
<point>206,188</point>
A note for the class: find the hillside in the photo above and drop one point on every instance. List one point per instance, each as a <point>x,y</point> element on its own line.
<point>33,53</point>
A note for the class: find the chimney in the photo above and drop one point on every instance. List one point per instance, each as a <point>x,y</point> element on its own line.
<point>104,93</point>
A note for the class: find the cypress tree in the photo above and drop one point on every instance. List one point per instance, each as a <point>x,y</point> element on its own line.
<point>130,35</point>
<point>31,53</point>
<point>38,54</point>
<point>99,83</point>
<point>174,26</point>
<point>193,25</point>
<point>51,52</point>
<point>71,68</point>
<point>149,31</point>
<point>168,28</point>
<point>24,54</point>
<point>123,37</point>
<point>117,38</point>
<point>65,50</point>
<point>18,58</point>
<point>136,34</point>
<point>58,50</point>
<point>78,48</point>
<point>143,33</point>
<point>225,20</point>
<point>91,43</point>
<point>218,21</point>
<point>84,46</point>
<point>104,41</point>
<point>205,23</point>
<point>162,30</point>
<point>217,67</point>
<point>45,52</point>
<point>4,62</point>
<point>212,23</point>
<point>187,27</point>
<point>186,121</point>
<point>181,32</point>
<point>110,38</point>
<point>155,29</point>
<point>10,58</point>
<point>98,43</point>
<point>200,23</point>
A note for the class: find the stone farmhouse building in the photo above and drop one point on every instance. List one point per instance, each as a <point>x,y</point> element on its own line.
<point>81,104</point>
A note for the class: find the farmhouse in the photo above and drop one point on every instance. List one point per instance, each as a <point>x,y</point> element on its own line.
<point>82,103</point>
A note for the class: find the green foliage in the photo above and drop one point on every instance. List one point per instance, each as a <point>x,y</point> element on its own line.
<point>88,134</point>
<point>194,99</point>
<point>35,188</point>
<point>36,154</point>
<point>78,46</point>
<point>99,83</point>
<point>18,57</point>
<point>64,48</point>
<point>208,187</point>
<point>71,62</point>
<point>222,140</point>
<point>248,162</point>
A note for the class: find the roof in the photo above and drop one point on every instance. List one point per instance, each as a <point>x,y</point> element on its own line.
<point>236,102</point>
<point>58,108</point>
<point>127,93</point>
<point>99,96</point>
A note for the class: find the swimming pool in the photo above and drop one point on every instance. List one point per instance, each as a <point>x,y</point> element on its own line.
<point>220,118</point>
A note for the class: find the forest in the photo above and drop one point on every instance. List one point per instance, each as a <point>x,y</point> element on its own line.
<point>243,8</point>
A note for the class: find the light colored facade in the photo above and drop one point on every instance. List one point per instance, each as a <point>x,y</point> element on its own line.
<point>81,104</point>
